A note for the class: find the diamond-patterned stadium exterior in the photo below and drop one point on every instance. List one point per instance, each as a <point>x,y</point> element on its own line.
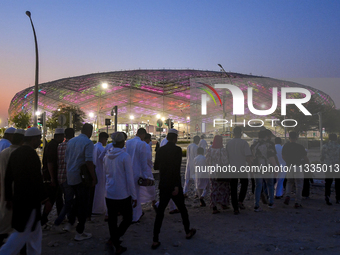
<point>143,94</point>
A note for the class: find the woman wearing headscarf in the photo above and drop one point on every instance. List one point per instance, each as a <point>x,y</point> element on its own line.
<point>220,190</point>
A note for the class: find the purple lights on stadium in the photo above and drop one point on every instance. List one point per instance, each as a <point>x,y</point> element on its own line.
<point>145,93</point>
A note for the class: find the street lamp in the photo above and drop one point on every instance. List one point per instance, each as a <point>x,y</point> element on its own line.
<point>104,86</point>
<point>229,81</point>
<point>35,108</point>
<point>188,119</point>
<point>158,116</point>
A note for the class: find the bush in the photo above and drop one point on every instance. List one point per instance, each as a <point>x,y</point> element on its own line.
<point>183,142</point>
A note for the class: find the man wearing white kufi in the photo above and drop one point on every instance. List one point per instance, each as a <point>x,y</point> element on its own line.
<point>136,148</point>
<point>7,140</point>
<point>24,174</point>
<point>5,213</point>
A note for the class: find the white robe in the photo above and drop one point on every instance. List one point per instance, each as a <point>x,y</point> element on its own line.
<point>99,205</point>
<point>190,167</point>
<point>148,193</point>
<point>202,178</point>
<point>136,148</point>
<point>203,143</point>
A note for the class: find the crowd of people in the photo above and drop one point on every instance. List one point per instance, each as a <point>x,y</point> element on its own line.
<point>83,180</point>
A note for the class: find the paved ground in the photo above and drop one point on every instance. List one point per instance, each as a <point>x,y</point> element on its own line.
<point>313,229</point>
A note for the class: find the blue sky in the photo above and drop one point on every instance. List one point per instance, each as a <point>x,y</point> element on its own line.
<point>279,39</point>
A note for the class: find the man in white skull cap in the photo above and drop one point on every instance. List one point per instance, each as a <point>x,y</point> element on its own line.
<point>24,171</point>
<point>7,140</point>
<point>6,214</point>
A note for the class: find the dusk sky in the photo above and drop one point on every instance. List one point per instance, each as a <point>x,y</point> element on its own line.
<point>292,40</point>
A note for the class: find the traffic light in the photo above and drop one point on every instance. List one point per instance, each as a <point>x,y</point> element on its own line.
<point>172,124</point>
<point>114,111</point>
<point>41,120</point>
<point>159,123</point>
<point>168,122</point>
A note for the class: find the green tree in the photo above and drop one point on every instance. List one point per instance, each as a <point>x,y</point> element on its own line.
<point>331,120</point>
<point>52,122</point>
<point>22,120</point>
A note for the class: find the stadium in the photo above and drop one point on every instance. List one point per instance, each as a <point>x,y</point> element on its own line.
<point>144,96</point>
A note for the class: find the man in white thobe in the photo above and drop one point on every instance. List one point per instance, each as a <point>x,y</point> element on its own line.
<point>99,206</point>
<point>5,213</point>
<point>202,177</point>
<point>148,193</point>
<point>190,168</point>
<point>203,143</point>
<point>136,148</point>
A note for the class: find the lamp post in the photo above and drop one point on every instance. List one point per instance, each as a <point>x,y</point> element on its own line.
<point>188,119</point>
<point>35,108</point>
<point>103,86</point>
<point>229,80</point>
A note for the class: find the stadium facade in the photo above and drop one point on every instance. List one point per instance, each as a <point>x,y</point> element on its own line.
<point>141,95</point>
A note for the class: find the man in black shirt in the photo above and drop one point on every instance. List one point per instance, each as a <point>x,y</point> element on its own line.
<point>24,174</point>
<point>50,172</point>
<point>295,156</point>
<point>168,162</point>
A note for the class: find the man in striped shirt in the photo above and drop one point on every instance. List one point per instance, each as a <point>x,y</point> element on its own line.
<point>62,180</point>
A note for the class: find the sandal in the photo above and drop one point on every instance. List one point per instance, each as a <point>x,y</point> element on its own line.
<point>155,246</point>
<point>191,233</point>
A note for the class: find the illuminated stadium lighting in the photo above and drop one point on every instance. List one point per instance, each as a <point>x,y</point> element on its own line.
<point>146,93</point>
